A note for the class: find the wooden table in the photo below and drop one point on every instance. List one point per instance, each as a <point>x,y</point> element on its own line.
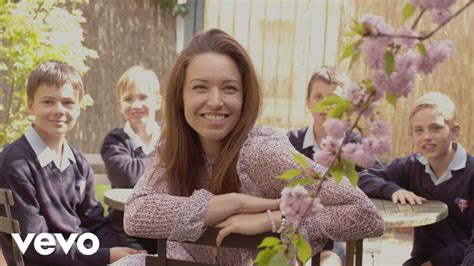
<point>117,197</point>
<point>394,216</point>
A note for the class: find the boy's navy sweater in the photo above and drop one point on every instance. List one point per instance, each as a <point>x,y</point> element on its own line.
<point>51,201</point>
<point>124,166</point>
<point>444,242</point>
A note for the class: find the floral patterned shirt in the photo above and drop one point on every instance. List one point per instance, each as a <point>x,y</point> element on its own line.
<point>151,212</point>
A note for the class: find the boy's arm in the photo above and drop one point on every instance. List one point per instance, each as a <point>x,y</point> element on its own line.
<point>91,213</point>
<point>123,170</point>
<point>469,254</point>
<point>27,211</point>
<point>382,181</point>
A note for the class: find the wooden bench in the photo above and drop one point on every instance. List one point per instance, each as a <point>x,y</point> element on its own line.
<point>97,164</point>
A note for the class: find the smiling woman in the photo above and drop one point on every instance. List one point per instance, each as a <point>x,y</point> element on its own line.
<point>213,167</point>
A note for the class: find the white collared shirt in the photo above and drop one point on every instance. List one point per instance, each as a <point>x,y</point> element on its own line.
<point>458,163</point>
<point>45,154</point>
<point>137,142</point>
<point>309,140</point>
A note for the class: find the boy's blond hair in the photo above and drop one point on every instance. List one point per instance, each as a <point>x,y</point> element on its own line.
<point>439,102</point>
<point>137,76</point>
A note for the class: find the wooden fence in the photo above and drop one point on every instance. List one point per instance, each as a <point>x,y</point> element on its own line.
<point>288,39</point>
<point>124,33</point>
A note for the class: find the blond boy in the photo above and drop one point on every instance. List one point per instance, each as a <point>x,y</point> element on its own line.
<point>441,169</point>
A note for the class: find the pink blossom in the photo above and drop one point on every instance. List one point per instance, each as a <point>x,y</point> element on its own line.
<point>439,16</point>
<point>443,4</point>
<point>376,24</point>
<point>379,128</point>
<point>356,153</point>
<point>400,82</point>
<point>435,54</point>
<point>384,145</point>
<point>335,128</point>
<point>296,204</point>
<point>354,93</point>
<point>423,4</point>
<point>407,42</point>
<point>327,153</point>
<point>374,50</point>
<point>324,157</point>
<point>367,111</point>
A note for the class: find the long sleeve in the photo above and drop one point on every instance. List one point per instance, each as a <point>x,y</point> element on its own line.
<point>151,212</point>
<point>123,168</point>
<point>27,211</point>
<point>469,254</point>
<point>382,182</point>
<point>348,213</point>
<point>91,213</point>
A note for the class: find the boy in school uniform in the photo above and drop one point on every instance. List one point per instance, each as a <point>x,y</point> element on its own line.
<point>323,82</point>
<point>129,150</point>
<point>51,181</point>
<point>441,169</point>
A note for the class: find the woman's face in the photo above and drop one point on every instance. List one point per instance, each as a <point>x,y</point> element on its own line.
<point>212,97</point>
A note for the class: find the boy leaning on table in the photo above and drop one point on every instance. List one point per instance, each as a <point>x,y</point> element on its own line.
<point>51,181</point>
<point>442,170</point>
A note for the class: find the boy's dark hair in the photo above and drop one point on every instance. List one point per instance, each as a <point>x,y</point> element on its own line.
<point>54,74</point>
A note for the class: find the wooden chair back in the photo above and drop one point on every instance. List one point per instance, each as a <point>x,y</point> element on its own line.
<point>209,239</point>
<point>8,224</point>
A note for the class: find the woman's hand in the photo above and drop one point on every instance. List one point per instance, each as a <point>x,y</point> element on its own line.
<point>117,253</point>
<point>252,204</point>
<point>245,224</point>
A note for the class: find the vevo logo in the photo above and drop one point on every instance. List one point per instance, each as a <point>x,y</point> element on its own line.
<point>45,243</point>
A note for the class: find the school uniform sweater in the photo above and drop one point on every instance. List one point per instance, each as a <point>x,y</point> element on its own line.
<point>444,242</point>
<point>125,164</point>
<point>47,199</point>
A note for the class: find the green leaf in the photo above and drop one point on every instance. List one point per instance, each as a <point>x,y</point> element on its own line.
<point>368,85</point>
<point>289,174</point>
<point>264,257</point>
<point>278,259</point>
<point>358,28</point>
<point>350,49</point>
<point>338,111</point>
<point>408,11</point>
<point>350,171</point>
<point>302,181</point>
<point>327,102</point>
<point>3,66</point>
<point>391,98</point>
<point>304,250</point>
<point>300,160</point>
<point>269,242</point>
<point>337,171</point>
<point>422,49</point>
<point>389,62</point>
<point>354,58</point>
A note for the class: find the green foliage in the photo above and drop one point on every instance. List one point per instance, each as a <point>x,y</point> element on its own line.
<point>301,160</point>
<point>408,11</point>
<point>337,171</point>
<point>336,105</point>
<point>289,174</point>
<point>391,98</point>
<point>422,49</point>
<point>303,249</point>
<point>175,8</point>
<point>31,32</point>
<point>302,181</point>
<point>389,62</point>
<point>351,173</point>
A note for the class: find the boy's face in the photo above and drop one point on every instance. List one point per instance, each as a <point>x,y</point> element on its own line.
<point>55,110</point>
<point>319,90</point>
<point>431,134</point>
<point>138,106</point>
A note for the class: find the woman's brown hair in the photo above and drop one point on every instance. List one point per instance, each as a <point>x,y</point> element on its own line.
<point>180,150</point>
